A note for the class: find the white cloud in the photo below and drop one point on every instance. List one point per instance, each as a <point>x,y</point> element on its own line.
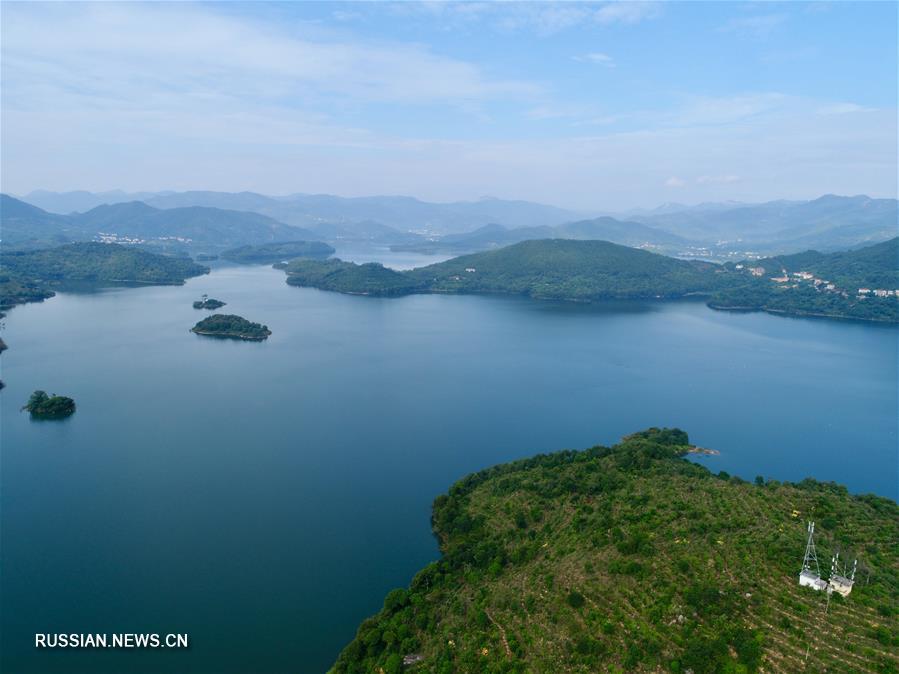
<point>627,12</point>
<point>841,109</point>
<point>544,18</point>
<point>186,97</point>
<point>760,25</point>
<point>598,58</point>
<point>141,53</point>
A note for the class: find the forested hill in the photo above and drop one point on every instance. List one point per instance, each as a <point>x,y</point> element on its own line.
<point>861,284</point>
<point>632,559</point>
<point>548,268</point>
<point>564,269</point>
<point>27,276</point>
<point>875,266</point>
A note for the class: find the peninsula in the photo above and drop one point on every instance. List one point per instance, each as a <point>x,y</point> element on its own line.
<point>633,559</point>
<point>31,276</point>
<point>231,327</point>
<point>278,252</point>
<point>860,284</point>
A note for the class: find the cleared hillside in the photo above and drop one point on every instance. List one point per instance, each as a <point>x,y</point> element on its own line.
<point>633,559</point>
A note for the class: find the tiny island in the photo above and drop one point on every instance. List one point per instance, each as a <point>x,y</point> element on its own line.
<point>43,406</point>
<point>207,302</point>
<point>231,327</point>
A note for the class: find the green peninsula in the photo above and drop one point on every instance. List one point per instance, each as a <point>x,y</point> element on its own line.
<point>232,327</point>
<point>43,406</point>
<point>561,269</point>
<point>633,559</point>
<point>856,284</point>
<point>860,284</point>
<point>29,276</point>
<point>278,252</point>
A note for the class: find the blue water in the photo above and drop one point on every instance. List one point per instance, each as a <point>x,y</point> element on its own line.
<point>263,498</point>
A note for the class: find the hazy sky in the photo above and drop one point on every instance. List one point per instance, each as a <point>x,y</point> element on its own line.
<point>595,106</point>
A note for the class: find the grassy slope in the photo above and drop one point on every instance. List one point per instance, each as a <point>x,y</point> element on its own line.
<point>631,559</point>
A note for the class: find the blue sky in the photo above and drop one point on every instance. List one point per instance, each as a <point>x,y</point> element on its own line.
<point>589,105</point>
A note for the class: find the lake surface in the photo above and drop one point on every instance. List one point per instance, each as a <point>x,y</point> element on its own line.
<point>264,497</point>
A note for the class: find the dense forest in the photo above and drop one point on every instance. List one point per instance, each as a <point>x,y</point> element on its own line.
<point>874,268</point>
<point>277,252</point>
<point>43,406</point>
<point>28,276</point>
<point>563,269</point>
<point>231,326</point>
<point>548,269</point>
<point>632,558</point>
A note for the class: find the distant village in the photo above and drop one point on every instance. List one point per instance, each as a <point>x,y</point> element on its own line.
<point>798,278</point>
<point>104,237</point>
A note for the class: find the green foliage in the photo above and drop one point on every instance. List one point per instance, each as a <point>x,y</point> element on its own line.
<point>631,558</point>
<point>348,277</point>
<point>564,269</point>
<point>43,406</point>
<point>276,252</point>
<point>231,326</point>
<point>27,276</point>
<point>208,303</point>
<point>872,267</point>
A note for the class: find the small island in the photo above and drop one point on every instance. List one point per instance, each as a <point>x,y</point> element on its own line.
<point>207,302</point>
<point>231,327</point>
<point>43,406</point>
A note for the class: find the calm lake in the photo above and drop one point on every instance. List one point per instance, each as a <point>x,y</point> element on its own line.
<point>263,498</point>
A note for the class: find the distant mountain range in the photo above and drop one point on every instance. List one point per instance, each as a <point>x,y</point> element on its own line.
<point>725,230</point>
<point>134,222</point>
<point>627,233</point>
<point>828,223</point>
<point>405,214</point>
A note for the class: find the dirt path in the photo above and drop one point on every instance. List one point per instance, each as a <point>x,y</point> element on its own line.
<point>502,633</point>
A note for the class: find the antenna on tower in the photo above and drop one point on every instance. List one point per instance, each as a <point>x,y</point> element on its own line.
<point>810,576</point>
<point>811,556</point>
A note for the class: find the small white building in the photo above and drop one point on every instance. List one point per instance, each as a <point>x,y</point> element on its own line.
<point>808,578</point>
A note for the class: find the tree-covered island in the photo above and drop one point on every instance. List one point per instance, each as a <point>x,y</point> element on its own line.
<point>43,406</point>
<point>231,327</point>
<point>207,302</point>
<point>633,559</point>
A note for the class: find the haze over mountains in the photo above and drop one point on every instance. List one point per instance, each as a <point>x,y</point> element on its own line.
<point>212,220</point>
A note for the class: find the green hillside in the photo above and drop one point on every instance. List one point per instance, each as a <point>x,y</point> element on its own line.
<point>548,269</point>
<point>875,268</point>
<point>27,276</point>
<point>630,559</point>
<point>572,270</point>
<point>276,252</point>
<point>348,277</point>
